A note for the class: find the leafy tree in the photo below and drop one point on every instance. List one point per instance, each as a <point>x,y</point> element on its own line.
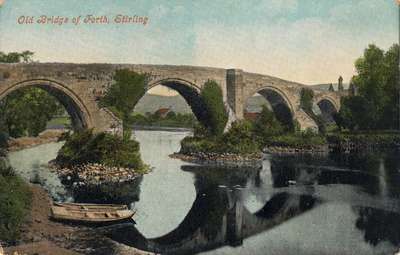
<point>25,112</point>
<point>217,115</point>
<point>306,99</point>
<point>306,103</point>
<point>16,57</point>
<point>240,139</point>
<point>267,125</point>
<point>377,104</point>
<point>122,96</point>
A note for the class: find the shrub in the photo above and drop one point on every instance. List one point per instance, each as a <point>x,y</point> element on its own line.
<point>111,150</point>
<point>15,201</point>
<point>213,100</point>
<point>267,125</point>
<point>306,103</point>
<point>304,139</point>
<point>240,139</point>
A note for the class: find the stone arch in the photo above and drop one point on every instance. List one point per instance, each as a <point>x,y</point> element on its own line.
<point>328,108</point>
<point>190,92</point>
<point>79,113</point>
<point>279,101</point>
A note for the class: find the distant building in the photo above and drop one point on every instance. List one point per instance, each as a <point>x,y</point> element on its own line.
<point>331,87</point>
<point>162,112</point>
<point>252,116</point>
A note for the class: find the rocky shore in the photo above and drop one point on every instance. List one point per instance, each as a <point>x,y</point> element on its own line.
<point>47,136</point>
<point>222,160</point>
<point>93,174</point>
<point>284,150</point>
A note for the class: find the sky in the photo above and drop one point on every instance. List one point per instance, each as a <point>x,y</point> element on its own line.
<point>307,41</point>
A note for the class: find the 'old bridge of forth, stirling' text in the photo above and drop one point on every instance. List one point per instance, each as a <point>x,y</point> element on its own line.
<point>79,86</point>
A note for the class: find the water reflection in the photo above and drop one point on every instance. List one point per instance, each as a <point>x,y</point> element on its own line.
<point>341,204</point>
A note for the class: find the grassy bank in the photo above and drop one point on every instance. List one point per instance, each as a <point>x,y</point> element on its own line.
<point>15,203</point>
<point>244,138</point>
<point>364,140</point>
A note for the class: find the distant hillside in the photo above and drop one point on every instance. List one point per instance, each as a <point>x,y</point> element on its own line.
<point>151,103</point>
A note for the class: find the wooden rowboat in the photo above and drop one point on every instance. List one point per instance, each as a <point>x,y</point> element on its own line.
<point>91,207</point>
<point>96,214</point>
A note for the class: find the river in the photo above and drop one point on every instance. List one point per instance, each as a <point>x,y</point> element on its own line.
<point>293,205</point>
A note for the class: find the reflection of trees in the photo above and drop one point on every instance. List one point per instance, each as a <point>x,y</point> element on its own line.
<point>379,225</point>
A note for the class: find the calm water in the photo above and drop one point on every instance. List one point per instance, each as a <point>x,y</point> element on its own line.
<point>308,205</point>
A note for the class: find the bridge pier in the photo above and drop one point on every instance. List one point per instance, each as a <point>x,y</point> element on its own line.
<point>234,88</point>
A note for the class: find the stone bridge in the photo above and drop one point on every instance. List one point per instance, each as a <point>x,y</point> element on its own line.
<point>79,87</point>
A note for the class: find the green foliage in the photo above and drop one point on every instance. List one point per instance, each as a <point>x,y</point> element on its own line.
<point>380,138</point>
<point>16,57</point>
<point>171,120</point>
<point>111,150</point>
<point>15,201</point>
<point>267,125</point>
<point>25,112</point>
<point>304,139</point>
<point>122,96</point>
<point>306,99</point>
<point>240,139</point>
<point>217,115</point>
<point>377,104</point>
<point>306,103</point>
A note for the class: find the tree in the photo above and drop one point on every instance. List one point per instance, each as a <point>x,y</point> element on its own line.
<point>306,103</point>
<point>267,125</point>
<point>122,96</point>
<point>25,112</point>
<point>16,57</point>
<point>214,103</point>
<point>376,105</point>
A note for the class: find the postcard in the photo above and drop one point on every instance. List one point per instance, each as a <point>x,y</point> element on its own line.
<point>199,127</point>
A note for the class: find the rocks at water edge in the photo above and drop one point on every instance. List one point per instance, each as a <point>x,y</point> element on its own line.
<point>94,174</point>
<point>222,159</point>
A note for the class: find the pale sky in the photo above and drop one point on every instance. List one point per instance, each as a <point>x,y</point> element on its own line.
<point>307,41</point>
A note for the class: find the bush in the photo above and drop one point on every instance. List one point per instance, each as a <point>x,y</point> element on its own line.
<point>304,139</point>
<point>240,139</point>
<point>111,150</point>
<point>15,201</point>
<point>214,102</point>
<point>267,125</point>
<point>306,103</point>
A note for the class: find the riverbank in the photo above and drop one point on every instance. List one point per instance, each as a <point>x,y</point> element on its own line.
<point>95,174</point>
<point>47,136</point>
<point>222,160</point>
<point>40,235</point>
